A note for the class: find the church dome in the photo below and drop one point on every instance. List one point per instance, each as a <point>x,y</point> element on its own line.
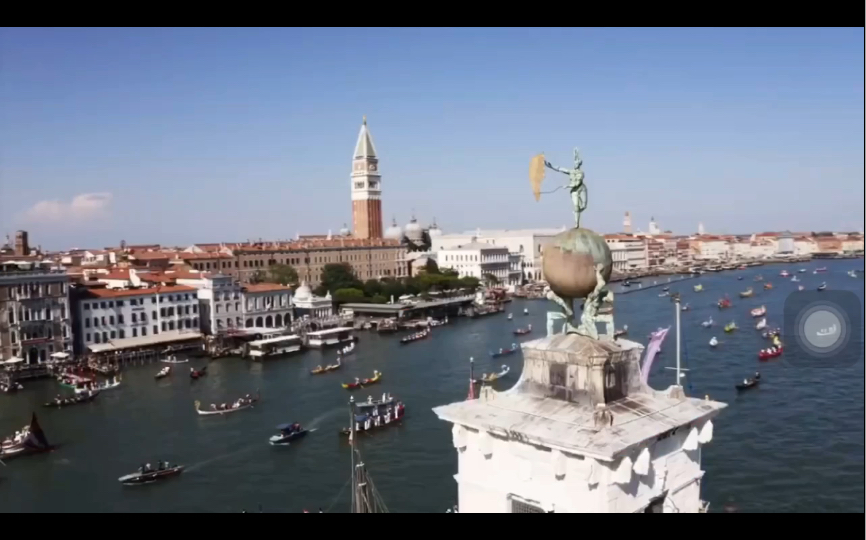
<point>304,292</point>
<point>414,232</point>
<point>394,232</point>
<point>345,230</point>
<point>434,229</point>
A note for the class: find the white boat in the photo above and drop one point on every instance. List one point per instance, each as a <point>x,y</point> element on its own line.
<point>714,342</point>
<point>759,312</point>
<point>795,279</point>
<point>349,349</point>
<point>172,359</point>
<point>238,405</point>
<point>109,385</point>
<point>510,316</point>
<point>761,324</point>
<point>163,373</point>
<point>275,346</point>
<point>525,311</point>
<point>853,273</point>
<point>707,323</point>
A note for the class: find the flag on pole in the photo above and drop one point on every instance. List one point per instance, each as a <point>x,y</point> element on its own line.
<point>652,350</point>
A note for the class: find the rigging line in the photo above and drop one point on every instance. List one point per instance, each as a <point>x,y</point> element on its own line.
<point>338,496</point>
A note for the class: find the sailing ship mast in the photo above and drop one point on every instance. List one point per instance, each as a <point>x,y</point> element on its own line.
<point>679,369</point>
<point>365,498</point>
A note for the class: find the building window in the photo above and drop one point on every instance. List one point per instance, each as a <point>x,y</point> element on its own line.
<point>87,338</point>
<point>153,314</point>
<point>105,337</point>
<point>111,319</point>
<point>103,321</point>
<point>86,307</point>
<point>162,312</point>
<point>195,323</point>
<point>120,319</point>
<point>111,304</point>
<point>113,334</point>
<point>95,336</point>
<point>164,326</point>
<point>133,318</point>
<point>120,303</point>
<point>153,300</point>
<point>156,329</point>
<point>186,310</point>
<point>143,330</point>
<point>520,507</point>
<point>218,308</point>
<point>195,308</point>
<point>87,323</point>
<point>122,335</point>
<point>135,332</point>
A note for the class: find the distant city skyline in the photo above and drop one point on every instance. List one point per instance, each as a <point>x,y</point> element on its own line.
<point>176,136</point>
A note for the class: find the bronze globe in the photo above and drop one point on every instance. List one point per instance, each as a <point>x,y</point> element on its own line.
<point>570,259</point>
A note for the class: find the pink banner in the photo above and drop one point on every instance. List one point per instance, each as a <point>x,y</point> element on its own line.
<point>652,349</point>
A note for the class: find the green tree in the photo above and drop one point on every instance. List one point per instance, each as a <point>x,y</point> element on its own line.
<point>378,299</point>
<point>259,276</point>
<point>282,274</point>
<point>372,287</point>
<point>338,276</point>
<point>490,279</point>
<point>343,296</point>
<point>469,282</point>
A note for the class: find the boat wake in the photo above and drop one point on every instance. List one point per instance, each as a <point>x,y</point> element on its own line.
<point>315,422</point>
<point>211,461</point>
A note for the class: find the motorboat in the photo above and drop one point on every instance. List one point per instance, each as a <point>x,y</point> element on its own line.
<point>699,288</point>
<point>522,331</point>
<point>747,293</point>
<point>761,324</point>
<point>241,404</point>
<point>494,376</point>
<point>664,294</point>
<point>505,352</point>
<point>801,288</point>
<point>772,352</point>
<point>60,403</point>
<point>759,311</point>
<point>686,307</point>
<point>666,289</point>
<point>714,342</point>
<point>853,274</point>
<point>163,373</point>
<point>196,374</point>
<point>821,270</point>
<point>768,286</point>
<point>621,332</point>
<point>784,273</point>
<point>730,327</point>
<point>724,303</point>
<point>748,384</point>
<point>288,433</point>
<point>361,383</point>
<point>708,323</point>
<point>739,278</point>
<point>525,311</point>
<point>149,476</point>
<point>172,359</point>
<point>759,278</point>
<point>822,286</point>
<point>771,334</point>
<point>510,316</point>
<point>801,271</point>
<point>795,279</point>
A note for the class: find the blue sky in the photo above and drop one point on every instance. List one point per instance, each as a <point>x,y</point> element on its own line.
<point>185,135</point>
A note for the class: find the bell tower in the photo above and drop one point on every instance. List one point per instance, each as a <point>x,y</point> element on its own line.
<point>366,188</point>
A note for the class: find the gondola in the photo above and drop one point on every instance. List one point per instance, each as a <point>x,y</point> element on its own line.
<point>505,352</point>
<point>361,383</point>
<point>747,293</point>
<point>768,354</point>
<point>327,369</point>
<point>415,337</point>
<point>494,376</point>
<point>239,405</point>
<point>289,433</point>
<point>822,286</point>
<point>109,385</point>
<point>68,402</point>
<point>149,477</point>
<point>195,374</point>
<point>522,331</point>
<point>749,383</point>
<point>173,360</point>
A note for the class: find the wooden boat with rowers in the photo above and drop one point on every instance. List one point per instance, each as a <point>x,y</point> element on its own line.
<point>145,476</point>
<point>505,352</point>
<point>327,369</point>
<point>748,384</point>
<point>219,410</point>
<point>523,331</point>
<point>494,376</point>
<point>60,403</point>
<point>196,374</point>
<point>361,383</point>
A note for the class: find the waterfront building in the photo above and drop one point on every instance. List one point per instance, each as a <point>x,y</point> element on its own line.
<point>308,305</point>
<point>220,302</point>
<point>267,305</point>
<point>804,246</point>
<point>626,223</point>
<point>480,260</point>
<point>628,253</point>
<point>710,248</point>
<point>366,182</point>
<point>528,244</point>
<point>34,309</point>
<point>852,243</point>
<point>110,320</point>
<point>580,433</point>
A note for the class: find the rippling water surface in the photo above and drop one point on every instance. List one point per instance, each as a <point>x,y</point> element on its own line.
<point>794,444</point>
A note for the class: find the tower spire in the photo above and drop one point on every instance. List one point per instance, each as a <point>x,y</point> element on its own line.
<point>366,187</point>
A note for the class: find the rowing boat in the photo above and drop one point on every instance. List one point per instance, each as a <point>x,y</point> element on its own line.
<point>234,408</point>
<point>360,383</point>
<point>140,478</point>
<point>68,402</point>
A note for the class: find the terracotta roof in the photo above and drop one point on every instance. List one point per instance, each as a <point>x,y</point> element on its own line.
<point>117,273</point>
<point>265,287</point>
<point>185,256</point>
<point>312,244</point>
<point>151,255</point>
<point>115,293</point>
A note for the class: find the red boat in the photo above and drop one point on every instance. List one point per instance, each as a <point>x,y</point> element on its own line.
<point>724,303</point>
<point>523,331</point>
<point>767,354</point>
<point>195,374</point>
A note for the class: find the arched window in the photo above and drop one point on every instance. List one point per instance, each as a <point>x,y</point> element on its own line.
<point>278,321</point>
<point>269,321</point>
<point>259,322</point>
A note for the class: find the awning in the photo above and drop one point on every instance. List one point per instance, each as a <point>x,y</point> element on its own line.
<point>144,341</point>
<point>60,355</point>
<point>12,361</point>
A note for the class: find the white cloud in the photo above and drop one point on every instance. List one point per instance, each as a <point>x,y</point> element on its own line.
<point>82,207</point>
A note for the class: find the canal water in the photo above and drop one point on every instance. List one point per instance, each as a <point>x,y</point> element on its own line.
<point>795,444</point>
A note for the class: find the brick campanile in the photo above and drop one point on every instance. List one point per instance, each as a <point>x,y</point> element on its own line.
<point>366,188</point>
